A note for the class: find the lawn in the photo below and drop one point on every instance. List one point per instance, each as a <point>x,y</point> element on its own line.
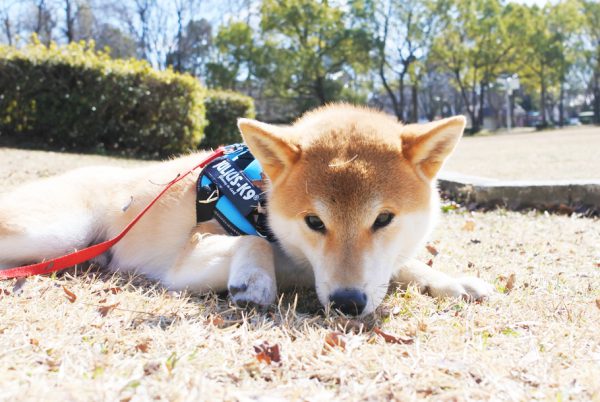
<point>91,335</point>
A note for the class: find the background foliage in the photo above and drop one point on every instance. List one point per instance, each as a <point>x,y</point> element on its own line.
<point>420,59</point>
<point>73,97</point>
<point>223,108</point>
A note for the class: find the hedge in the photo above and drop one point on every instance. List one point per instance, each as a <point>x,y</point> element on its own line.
<point>222,111</point>
<point>79,99</point>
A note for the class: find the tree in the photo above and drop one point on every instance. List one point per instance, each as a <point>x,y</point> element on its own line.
<point>404,32</point>
<point>193,48</point>
<point>43,22</point>
<point>236,47</point>
<point>85,22</point>
<point>120,44</point>
<point>565,21</point>
<point>69,29</point>
<point>592,28</point>
<point>541,51</point>
<point>316,47</point>
<point>476,47</point>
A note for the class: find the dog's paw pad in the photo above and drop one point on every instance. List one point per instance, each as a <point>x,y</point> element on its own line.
<point>476,289</point>
<point>252,288</point>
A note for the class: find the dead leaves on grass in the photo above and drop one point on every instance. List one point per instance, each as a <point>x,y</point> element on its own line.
<point>104,310</point>
<point>143,346</point>
<point>334,340</point>
<point>388,338</point>
<point>432,250</point>
<point>71,297</point>
<point>266,353</point>
<point>509,283</point>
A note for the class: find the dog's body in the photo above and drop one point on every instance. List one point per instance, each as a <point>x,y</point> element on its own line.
<point>351,199</point>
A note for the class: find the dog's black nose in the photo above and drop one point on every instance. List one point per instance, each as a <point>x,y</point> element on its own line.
<point>349,301</point>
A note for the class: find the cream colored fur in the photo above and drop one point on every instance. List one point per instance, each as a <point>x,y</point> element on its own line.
<point>345,164</point>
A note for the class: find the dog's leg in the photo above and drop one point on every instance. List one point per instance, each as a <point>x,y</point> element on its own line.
<point>439,284</point>
<point>242,264</point>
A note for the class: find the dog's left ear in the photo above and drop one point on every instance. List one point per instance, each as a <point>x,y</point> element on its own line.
<point>428,145</point>
<point>269,144</point>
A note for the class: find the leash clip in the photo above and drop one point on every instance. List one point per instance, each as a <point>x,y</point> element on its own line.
<point>214,196</point>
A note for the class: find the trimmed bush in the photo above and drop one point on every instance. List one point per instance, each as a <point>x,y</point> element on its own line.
<point>222,111</point>
<point>79,99</point>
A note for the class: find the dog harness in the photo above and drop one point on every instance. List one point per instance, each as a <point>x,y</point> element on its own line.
<point>230,189</point>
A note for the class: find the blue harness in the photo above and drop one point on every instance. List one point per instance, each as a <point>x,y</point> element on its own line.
<point>229,189</point>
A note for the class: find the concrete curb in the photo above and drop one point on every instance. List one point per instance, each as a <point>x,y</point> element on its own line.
<point>577,195</point>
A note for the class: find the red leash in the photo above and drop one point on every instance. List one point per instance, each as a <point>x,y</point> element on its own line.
<point>88,253</point>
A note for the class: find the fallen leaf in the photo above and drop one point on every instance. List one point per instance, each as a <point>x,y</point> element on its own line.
<point>143,347</point>
<point>598,303</point>
<point>151,368</point>
<point>114,291</point>
<point>267,353</point>
<point>71,297</point>
<point>104,310</point>
<point>430,262</point>
<point>334,340</point>
<point>432,250</point>
<point>215,320</point>
<point>388,338</point>
<point>510,283</point>
<point>102,300</point>
<point>34,342</point>
<point>469,225</point>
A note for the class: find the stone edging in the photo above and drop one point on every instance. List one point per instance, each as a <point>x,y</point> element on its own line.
<point>578,195</point>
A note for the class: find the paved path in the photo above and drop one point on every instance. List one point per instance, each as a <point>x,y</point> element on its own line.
<point>571,153</point>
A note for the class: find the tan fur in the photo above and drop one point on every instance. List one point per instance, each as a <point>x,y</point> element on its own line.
<point>345,164</point>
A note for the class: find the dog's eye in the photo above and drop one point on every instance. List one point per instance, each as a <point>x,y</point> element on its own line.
<point>315,223</point>
<point>383,219</point>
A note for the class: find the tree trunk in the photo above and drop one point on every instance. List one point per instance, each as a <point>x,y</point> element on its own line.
<point>389,91</point>
<point>597,97</point>
<point>401,105</point>
<point>543,97</point>
<point>480,112</point>
<point>179,67</point>
<point>561,105</point>
<point>8,30</point>
<point>320,91</point>
<point>511,102</point>
<point>69,21</point>
<point>414,118</point>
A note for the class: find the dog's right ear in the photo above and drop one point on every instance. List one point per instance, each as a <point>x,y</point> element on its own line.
<point>269,145</point>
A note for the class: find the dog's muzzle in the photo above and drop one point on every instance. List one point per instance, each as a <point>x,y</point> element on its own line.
<point>349,301</point>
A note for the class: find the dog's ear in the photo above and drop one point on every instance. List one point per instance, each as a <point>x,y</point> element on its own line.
<point>268,143</point>
<point>428,145</point>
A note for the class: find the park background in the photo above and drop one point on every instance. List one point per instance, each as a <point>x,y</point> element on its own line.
<point>419,60</point>
<point>85,77</point>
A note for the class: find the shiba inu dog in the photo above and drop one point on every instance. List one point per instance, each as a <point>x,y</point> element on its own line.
<point>351,198</point>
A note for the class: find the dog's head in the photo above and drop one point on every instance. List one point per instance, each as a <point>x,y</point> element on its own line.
<point>353,193</point>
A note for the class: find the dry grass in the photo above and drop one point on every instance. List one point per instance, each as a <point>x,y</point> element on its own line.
<point>538,341</point>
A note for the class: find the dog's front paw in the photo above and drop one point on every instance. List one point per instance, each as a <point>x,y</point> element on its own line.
<point>475,289</point>
<point>468,288</point>
<point>252,287</point>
